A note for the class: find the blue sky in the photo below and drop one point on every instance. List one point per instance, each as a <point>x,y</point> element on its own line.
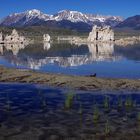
<point>123,8</point>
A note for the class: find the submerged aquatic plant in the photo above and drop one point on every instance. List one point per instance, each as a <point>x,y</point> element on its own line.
<point>128,102</point>
<point>8,106</point>
<point>107,128</point>
<point>106,102</point>
<point>96,114</point>
<point>134,103</point>
<point>69,100</point>
<point>138,116</point>
<point>42,99</point>
<point>44,103</point>
<point>120,102</point>
<point>77,97</point>
<point>80,109</point>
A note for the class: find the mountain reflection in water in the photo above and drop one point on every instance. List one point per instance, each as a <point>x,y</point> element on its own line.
<point>106,59</point>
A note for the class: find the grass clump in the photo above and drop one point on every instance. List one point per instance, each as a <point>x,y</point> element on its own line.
<point>120,102</point>
<point>42,99</point>
<point>107,128</point>
<point>106,103</point>
<point>80,109</point>
<point>138,116</point>
<point>69,100</point>
<point>8,105</point>
<point>96,114</point>
<point>128,102</point>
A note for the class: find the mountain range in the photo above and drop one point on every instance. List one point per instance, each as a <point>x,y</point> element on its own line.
<point>68,19</point>
<point>131,22</point>
<point>65,19</point>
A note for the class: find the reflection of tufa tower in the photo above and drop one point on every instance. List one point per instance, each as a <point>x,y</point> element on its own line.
<point>101,34</point>
<point>102,51</point>
<point>14,48</point>
<point>47,45</point>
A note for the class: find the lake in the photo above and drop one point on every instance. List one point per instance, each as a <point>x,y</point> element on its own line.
<point>106,59</point>
<point>37,112</point>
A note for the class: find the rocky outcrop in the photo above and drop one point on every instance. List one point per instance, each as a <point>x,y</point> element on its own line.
<point>13,38</point>
<point>101,34</point>
<point>46,38</point>
<point>72,39</point>
<point>128,41</point>
<point>1,37</point>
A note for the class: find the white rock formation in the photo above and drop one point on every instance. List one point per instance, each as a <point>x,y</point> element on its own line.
<point>1,49</point>
<point>1,37</point>
<point>46,38</point>
<point>128,41</point>
<point>13,38</point>
<point>101,34</point>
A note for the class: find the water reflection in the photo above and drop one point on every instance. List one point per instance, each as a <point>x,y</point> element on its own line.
<point>102,51</point>
<point>44,56</point>
<point>94,52</point>
<point>15,48</point>
<point>47,46</point>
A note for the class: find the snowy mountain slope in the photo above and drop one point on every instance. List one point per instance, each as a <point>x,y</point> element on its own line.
<point>36,17</point>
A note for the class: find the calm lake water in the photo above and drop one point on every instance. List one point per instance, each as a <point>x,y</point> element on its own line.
<point>33,112</point>
<point>106,60</point>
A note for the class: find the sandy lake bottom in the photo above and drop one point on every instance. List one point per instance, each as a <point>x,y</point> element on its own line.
<point>37,112</point>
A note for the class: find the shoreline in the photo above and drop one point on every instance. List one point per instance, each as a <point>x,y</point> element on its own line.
<point>85,83</point>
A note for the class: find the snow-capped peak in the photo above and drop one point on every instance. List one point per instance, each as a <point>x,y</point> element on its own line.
<point>69,11</point>
<point>33,12</point>
<point>33,16</point>
<point>73,16</point>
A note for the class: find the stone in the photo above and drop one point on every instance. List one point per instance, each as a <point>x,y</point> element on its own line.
<point>101,34</point>
<point>128,41</point>
<point>46,38</point>
<point>1,38</point>
<point>13,38</point>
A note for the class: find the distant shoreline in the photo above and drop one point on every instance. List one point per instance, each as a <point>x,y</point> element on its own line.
<point>86,83</point>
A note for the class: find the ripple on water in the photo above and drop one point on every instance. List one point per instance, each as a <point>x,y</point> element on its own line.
<point>28,111</point>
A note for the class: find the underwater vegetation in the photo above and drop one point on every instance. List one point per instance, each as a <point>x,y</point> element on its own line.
<point>138,116</point>
<point>69,100</point>
<point>96,114</point>
<point>43,99</point>
<point>120,102</point>
<point>8,105</point>
<point>80,109</point>
<point>107,128</point>
<point>69,113</point>
<point>106,102</point>
<point>128,102</point>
